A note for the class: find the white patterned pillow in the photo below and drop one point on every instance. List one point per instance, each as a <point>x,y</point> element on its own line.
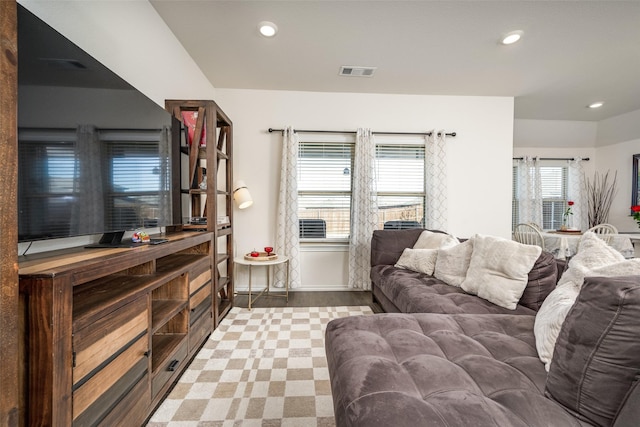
<point>420,260</point>
<point>430,240</point>
<point>593,258</point>
<point>499,269</point>
<point>452,263</point>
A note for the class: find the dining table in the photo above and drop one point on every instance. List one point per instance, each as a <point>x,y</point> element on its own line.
<point>564,244</point>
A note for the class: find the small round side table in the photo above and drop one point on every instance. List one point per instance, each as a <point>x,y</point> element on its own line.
<point>282,259</point>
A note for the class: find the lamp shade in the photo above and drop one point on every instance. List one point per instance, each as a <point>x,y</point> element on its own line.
<point>241,195</point>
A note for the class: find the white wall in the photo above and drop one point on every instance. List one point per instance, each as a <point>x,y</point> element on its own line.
<point>131,39</point>
<point>479,157</point>
<point>554,133</point>
<point>610,144</point>
<point>618,141</point>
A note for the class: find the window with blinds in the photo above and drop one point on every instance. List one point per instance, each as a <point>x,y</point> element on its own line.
<point>554,182</point>
<point>135,184</point>
<point>401,185</point>
<point>47,188</point>
<point>324,189</point>
<point>64,191</point>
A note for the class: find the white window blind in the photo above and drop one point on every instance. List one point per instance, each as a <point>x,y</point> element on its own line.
<point>47,184</point>
<point>401,183</point>
<point>324,189</point>
<point>553,181</point>
<point>135,184</point>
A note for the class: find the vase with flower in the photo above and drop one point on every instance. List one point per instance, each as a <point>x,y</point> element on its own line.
<point>635,213</point>
<point>567,217</point>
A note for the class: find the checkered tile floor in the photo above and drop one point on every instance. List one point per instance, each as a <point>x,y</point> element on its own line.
<point>265,367</point>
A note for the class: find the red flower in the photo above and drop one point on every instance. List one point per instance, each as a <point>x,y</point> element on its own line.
<point>570,203</point>
<point>635,208</point>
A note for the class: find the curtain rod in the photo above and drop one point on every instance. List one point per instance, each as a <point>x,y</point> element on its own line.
<point>352,131</point>
<point>552,158</point>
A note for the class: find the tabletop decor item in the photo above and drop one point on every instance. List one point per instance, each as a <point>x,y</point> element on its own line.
<point>636,213</point>
<point>567,217</point>
<point>599,194</point>
<point>260,256</point>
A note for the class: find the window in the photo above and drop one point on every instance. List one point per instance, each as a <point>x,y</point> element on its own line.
<point>554,183</point>
<point>47,183</point>
<point>324,187</point>
<point>401,194</point>
<point>135,184</point>
<point>123,177</point>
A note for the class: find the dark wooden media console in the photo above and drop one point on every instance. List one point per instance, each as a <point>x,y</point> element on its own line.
<point>108,331</point>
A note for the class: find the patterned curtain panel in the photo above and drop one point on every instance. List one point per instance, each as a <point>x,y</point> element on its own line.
<point>364,210</point>
<point>576,193</point>
<point>89,214</point>
<point>287,231</point>
<point>529,191</point>
<point>436,181</point>
<point>164,147</point>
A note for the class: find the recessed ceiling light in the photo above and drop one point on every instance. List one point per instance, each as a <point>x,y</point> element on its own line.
<point>596,105</point>
<point>512,37</point>
<point>268,29</point>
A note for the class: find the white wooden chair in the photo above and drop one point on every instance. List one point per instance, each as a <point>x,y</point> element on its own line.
<point>604,231</point>
<point>528,235</point>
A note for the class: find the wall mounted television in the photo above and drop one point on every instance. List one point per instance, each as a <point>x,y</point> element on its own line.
<point>94,153</point>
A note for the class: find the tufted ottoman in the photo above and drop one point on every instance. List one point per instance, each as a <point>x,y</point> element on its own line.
<point>439,370</point>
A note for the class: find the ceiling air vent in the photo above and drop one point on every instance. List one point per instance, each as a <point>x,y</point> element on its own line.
<point>357,71</point>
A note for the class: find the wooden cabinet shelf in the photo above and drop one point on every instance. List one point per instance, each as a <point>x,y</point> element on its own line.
<point>210,158</point>
<point>111,330</point>
<point>163,347</point>
<point>163,310</point>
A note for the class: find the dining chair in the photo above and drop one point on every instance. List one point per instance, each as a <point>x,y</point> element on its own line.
<point>535,225</point>
<point>528,234</point>
<point>604,231</point>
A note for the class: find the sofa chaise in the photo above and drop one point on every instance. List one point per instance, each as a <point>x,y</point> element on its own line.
<point>443,357</point>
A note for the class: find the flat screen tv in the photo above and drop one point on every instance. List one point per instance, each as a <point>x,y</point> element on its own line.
<point>93,152</point>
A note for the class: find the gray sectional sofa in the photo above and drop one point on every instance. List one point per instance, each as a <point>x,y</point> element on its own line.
<point>442,357</point>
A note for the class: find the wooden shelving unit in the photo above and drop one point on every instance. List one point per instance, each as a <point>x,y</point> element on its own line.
<point>109,331</point>
<point>203,148</point>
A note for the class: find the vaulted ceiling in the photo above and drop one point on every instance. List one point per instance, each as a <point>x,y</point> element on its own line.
<point>572,53</point>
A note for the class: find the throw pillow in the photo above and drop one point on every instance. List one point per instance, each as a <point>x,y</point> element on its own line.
<point>452,263</point>
<point>430,240</point>
<point>597,355</point>
<point>420,260</point>
<point>593,254</point>
<point>499,270</point>
<point>541,281</point>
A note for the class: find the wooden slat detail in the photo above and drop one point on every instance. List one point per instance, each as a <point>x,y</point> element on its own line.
<point>199,296</point>
<point>110,404</point>
<point>90,264</point>
<point>164,345</point>
<point>12,398</point>
<point>97,343</point>
<point>132,410</point>
<point>200,280</point>
<point>176,359</point>
<point>107,377</point>
<point>202,327</point>
<point>102,297</point>
<point>163,311</point>
<point>174,289</point>
<point>144,268</point>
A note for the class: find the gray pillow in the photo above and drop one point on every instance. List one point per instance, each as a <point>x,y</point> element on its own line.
<point>542,280</point>
<point>597,355</point>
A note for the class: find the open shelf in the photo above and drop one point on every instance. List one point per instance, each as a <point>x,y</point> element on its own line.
<point>211,158</point>
<point>163,347</point>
